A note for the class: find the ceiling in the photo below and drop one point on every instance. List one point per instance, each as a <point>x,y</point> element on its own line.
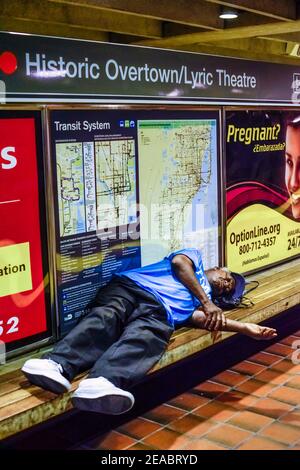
<point>265,29</point>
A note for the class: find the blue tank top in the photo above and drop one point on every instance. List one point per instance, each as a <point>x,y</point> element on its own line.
<point>158,278</point>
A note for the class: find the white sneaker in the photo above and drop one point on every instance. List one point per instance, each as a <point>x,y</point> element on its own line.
<point>46,374</point>
<point>101,396</point>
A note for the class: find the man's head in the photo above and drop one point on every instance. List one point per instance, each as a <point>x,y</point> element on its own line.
<point>292,165</point>
<point>225,284</point>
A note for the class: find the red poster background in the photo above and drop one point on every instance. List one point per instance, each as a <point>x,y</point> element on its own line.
<point>20,223</point>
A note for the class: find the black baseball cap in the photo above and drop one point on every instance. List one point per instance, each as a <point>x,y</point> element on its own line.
<point>239,287</point>
<point>234,298</point>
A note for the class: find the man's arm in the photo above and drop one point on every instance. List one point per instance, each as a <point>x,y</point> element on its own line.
<point>183,268</point>
<point>198,320</point>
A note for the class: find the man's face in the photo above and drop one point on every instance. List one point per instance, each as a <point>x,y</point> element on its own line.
<point>222,282</point>
<point>292,168</point>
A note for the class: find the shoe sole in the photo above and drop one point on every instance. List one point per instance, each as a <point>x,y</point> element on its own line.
<point>107,404</point>
<point>47,383</point>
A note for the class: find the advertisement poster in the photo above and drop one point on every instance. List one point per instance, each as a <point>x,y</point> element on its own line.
<point>129,187</point>
<point>23,259</point>
<point>263,188</point>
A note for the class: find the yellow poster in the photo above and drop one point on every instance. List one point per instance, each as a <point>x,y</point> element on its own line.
<point>259,236</point>
<point>15,269</point>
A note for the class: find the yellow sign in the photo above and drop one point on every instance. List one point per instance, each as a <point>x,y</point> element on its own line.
<point>15,269</point>
<point>258,236</point>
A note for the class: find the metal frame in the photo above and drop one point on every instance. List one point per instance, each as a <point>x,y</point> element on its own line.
<point>45,111</point>
<point>225,109</point>
<point>49,308</point>
<point>131,107</point>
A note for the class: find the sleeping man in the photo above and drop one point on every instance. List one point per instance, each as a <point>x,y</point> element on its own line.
<point>129,326</point>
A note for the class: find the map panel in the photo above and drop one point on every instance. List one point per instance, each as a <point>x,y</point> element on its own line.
<point>90,190</point>
<point>123,175</point>
<point>178,199</point>
<point>70,183</point>
<point>115,182</point>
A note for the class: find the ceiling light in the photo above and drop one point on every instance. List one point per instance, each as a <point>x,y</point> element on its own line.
<point>293,50</point>
<point>228,14</point>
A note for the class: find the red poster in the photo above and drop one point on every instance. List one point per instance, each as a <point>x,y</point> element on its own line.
<point>22,287</point>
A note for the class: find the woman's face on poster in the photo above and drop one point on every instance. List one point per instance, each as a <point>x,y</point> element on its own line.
<point>292,168</point>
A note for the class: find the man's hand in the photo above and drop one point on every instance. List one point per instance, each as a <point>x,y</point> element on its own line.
<point>215,318</point>
<point>184,270</point>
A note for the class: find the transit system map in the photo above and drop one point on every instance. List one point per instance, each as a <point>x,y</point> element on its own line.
<point>179,192</point>
<point>129,187</point>
<point>96,184</point>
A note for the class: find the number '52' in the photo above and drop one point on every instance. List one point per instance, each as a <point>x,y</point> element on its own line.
<point>11,324</point>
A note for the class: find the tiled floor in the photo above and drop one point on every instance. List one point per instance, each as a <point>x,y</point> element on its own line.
<point>254,405</point>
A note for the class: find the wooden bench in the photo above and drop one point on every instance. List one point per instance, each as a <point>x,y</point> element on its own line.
<point>23,405</point>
